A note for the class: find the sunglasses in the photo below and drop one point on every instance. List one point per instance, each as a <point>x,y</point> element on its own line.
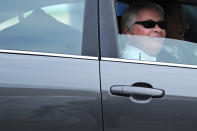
<point>152,24</point>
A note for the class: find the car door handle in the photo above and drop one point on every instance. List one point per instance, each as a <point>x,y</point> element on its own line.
<point>125,90</point>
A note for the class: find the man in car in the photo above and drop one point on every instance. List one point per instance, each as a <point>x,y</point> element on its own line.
<point>176,23</point>
<point>144,27</point>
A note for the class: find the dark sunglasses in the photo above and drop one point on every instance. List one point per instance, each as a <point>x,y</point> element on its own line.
<point>152,24</point>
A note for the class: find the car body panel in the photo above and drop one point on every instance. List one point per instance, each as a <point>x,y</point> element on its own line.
<point>46,90</point>
<point>49,93</point>
<point>175,111</point>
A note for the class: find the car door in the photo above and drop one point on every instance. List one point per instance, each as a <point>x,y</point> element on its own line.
<point>49,69</point>
<point>144,95</point>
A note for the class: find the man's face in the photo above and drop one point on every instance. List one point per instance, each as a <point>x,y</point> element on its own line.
<point>145,15</point>
<point>177,24</point>
<point>150,45</point>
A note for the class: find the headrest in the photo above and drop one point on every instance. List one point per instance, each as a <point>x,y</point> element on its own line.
<point>120,8</point>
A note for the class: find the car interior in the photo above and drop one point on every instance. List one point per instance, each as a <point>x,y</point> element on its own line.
<point>183,51</point>
<point>189,6</point>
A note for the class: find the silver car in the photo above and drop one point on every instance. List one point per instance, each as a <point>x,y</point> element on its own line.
<point>61,69</point>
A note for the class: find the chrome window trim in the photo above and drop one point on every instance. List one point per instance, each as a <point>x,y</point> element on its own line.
<point>47,54</point>
<point>148,62</point>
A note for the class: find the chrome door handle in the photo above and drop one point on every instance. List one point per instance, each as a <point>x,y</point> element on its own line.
<point>140,91</point>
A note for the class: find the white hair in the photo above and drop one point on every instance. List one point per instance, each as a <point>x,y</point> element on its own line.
<point>129,17</point>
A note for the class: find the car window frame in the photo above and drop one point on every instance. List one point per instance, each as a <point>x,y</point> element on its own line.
<point>90,45</point>
<point>108,29</point>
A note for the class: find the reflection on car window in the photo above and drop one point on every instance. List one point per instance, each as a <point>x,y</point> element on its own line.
<point>66,13</point>
<point>134,47</point>
<point>53,28</point>
<point>159,49</point>
<point>147,38</point>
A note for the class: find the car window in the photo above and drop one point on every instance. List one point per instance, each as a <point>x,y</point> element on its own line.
<point>158,39</point>
<point>42,26</point>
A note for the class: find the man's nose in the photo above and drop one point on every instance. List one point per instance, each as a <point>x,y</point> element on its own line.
<point>157,29</point>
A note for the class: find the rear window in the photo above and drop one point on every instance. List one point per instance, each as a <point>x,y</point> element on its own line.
<point>42,26</point>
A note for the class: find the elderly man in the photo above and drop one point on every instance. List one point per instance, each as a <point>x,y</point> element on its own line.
<point>143,23</point>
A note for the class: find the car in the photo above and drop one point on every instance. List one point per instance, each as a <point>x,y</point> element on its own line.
<point>61,69</point>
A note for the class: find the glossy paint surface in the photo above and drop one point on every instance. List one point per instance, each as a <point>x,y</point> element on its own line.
<point>49,93</point>
<point>175,111</point>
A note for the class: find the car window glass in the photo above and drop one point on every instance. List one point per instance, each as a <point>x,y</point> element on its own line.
<point>45,26</point>
<point>178,45</point>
